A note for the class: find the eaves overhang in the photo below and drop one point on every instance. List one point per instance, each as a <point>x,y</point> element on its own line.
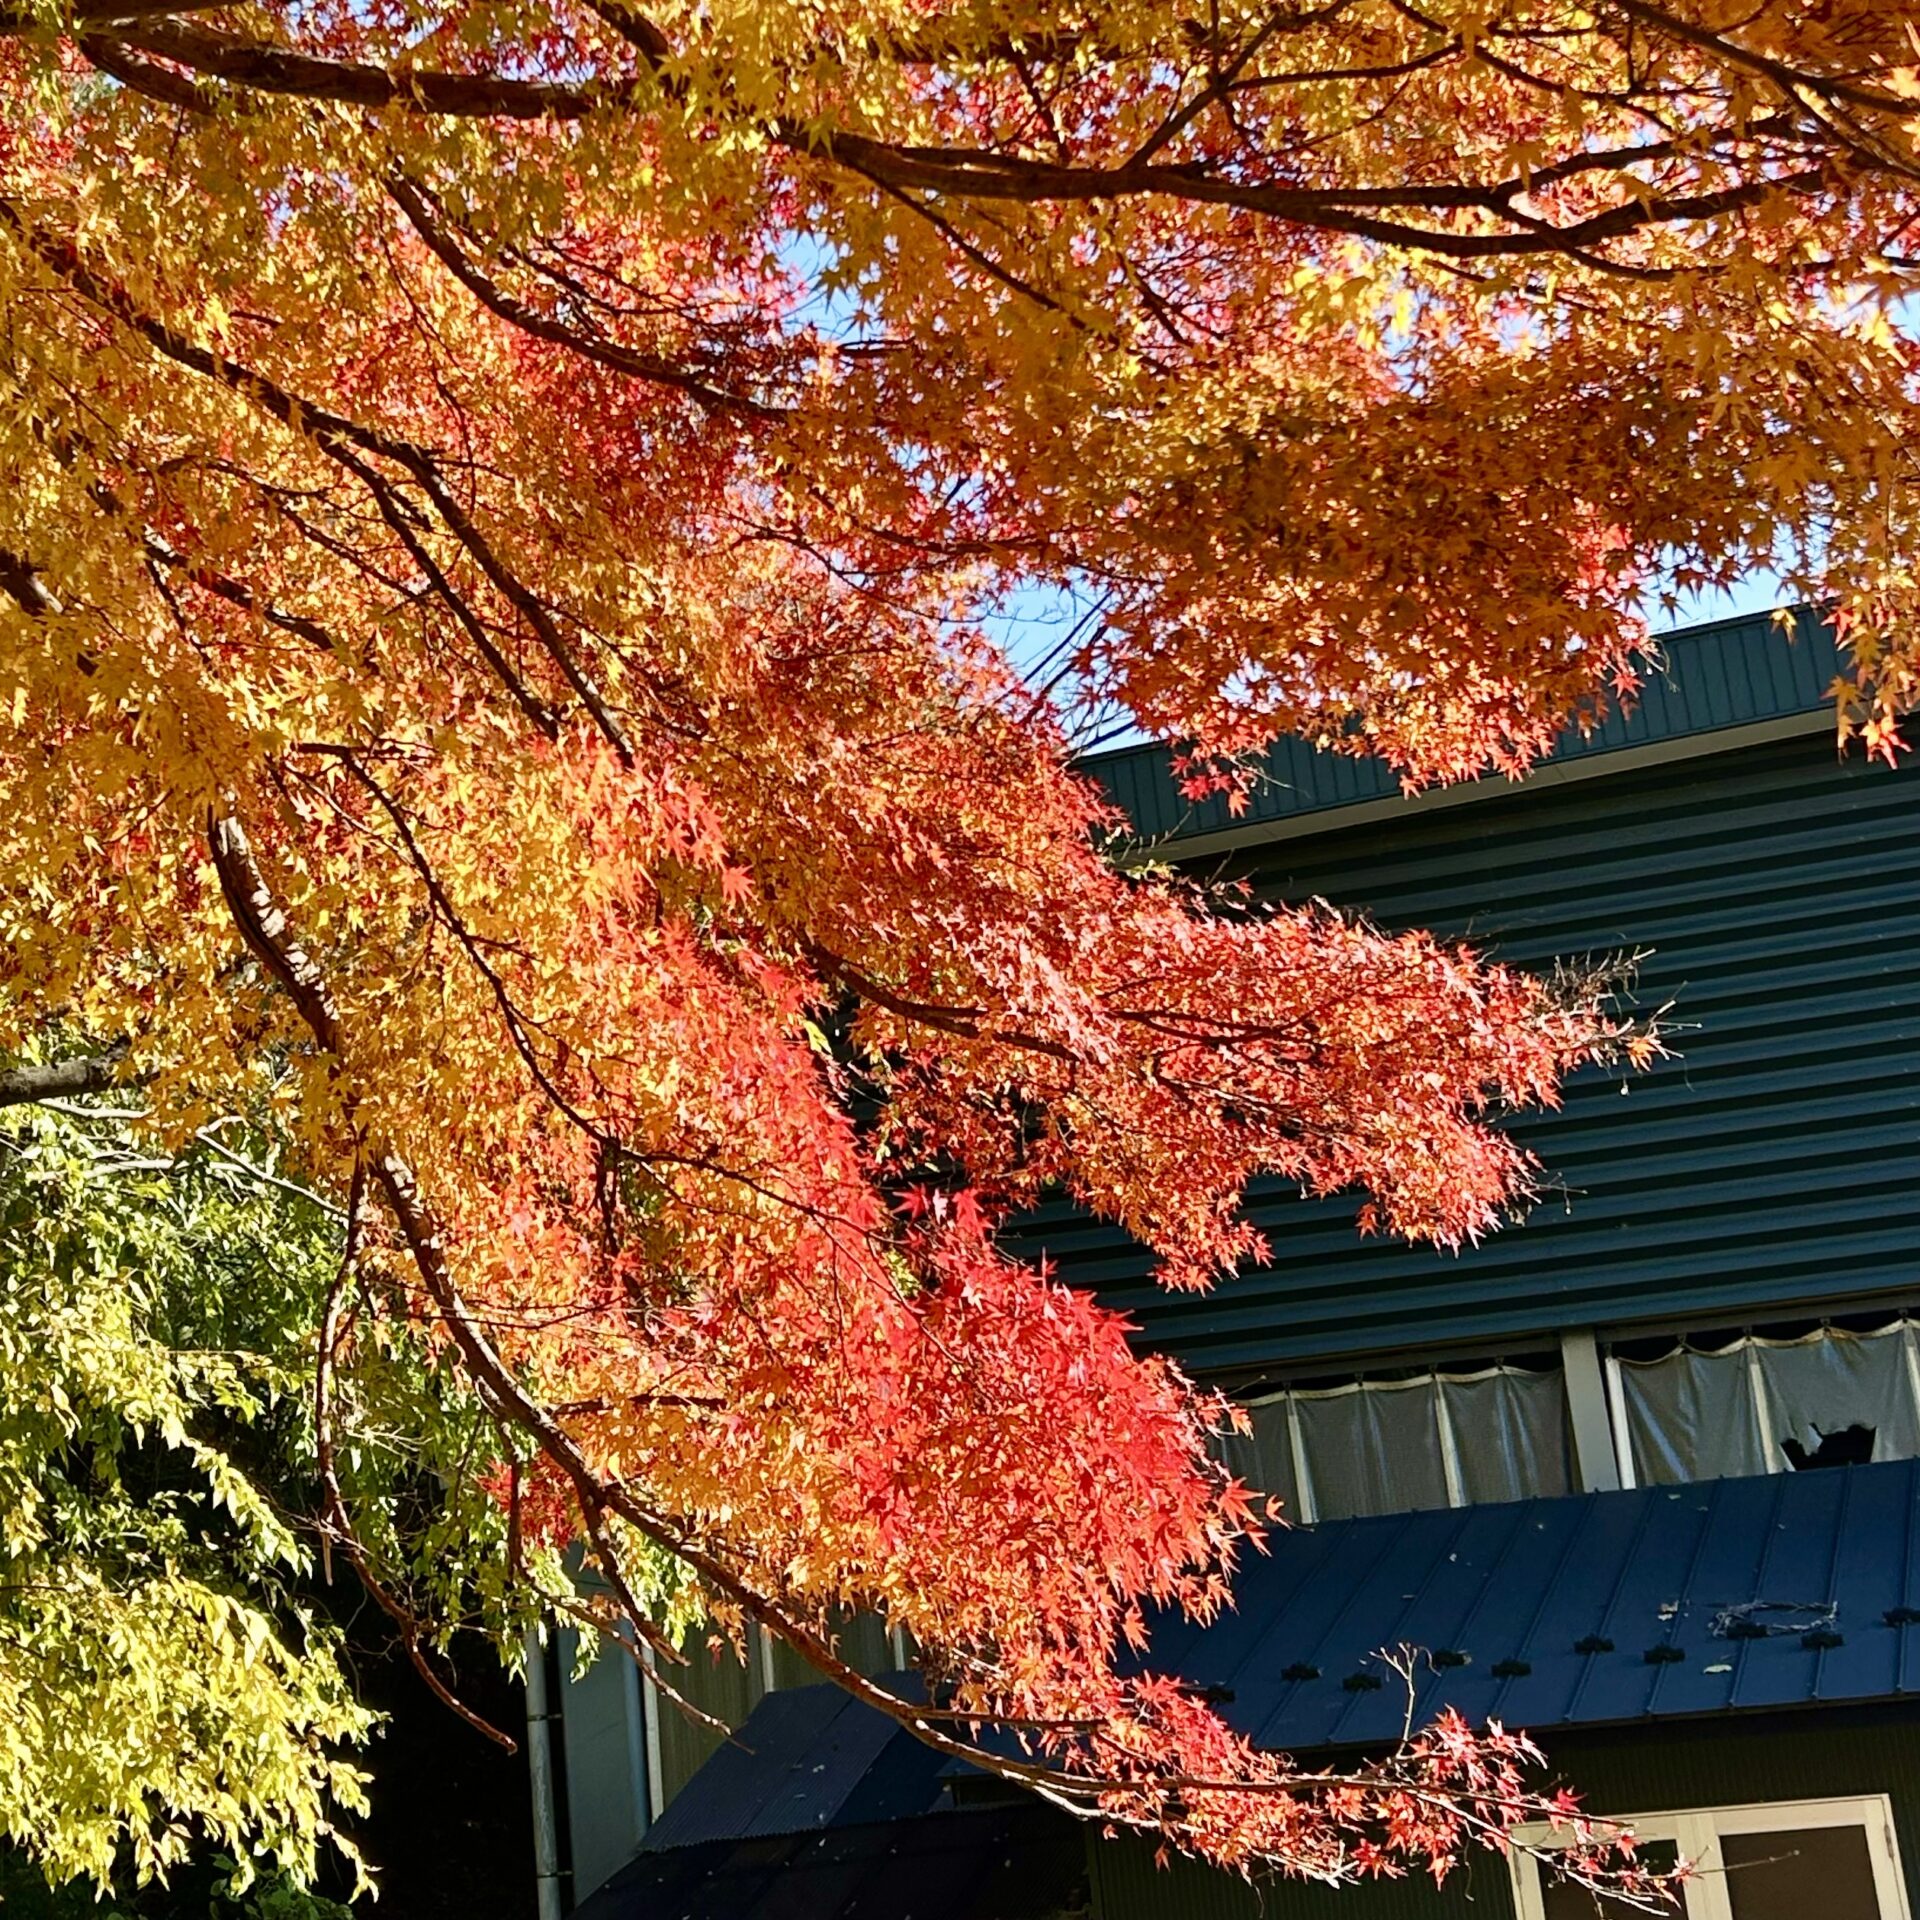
<point>1721,686</point>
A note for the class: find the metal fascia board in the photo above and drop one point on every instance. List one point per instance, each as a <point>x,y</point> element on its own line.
<point>1182,849</point>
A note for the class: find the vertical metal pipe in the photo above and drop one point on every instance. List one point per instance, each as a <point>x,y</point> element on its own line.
<point>639,1774</point>
<point>1451,1470</point>
<point>546,1832</point>
<point>1622,1432</point>
<point>1306,1503</point>
<point>656,1764</point>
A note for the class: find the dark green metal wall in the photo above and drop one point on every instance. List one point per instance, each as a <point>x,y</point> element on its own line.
<point>1769,1172</point>
<point>1728,1762</point>
<point>1772,1168</point>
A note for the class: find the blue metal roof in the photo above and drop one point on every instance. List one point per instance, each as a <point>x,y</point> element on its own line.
<point>806,1758</point>
<point>819,1808</point>
<point>1724,673</point>
<point>1594,1609</point>
<point>1020,1862</point>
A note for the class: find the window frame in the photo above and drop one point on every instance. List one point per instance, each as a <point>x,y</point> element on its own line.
<point>1697,1831</point>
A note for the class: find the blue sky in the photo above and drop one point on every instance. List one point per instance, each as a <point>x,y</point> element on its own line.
<point>1039,622</point>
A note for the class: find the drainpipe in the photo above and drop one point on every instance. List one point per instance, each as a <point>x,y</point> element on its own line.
<point>546,1832</point>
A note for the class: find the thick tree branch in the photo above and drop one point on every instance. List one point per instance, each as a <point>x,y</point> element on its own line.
<point>164,84</point>
<point>267,931</point>
<point>62,1079</point>
<point>978,174</point>
<point>270,936</point>
<point>82,13</point>
<point>336,1521</point>
<point>1792,81</point>
<point>237,593</point>
<point>445,247</point>
<point>989,174</point>
<point>21,582</point>
<point>270,69</point>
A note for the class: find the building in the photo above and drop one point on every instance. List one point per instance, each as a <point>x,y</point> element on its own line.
<point>1638,1474</point>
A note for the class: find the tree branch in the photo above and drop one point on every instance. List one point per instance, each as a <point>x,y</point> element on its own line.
<point>271,69</point>
<point>1149,1803</point>
<point>445,247</point>
<point>21,582</point>
<point>63,1079</point>
<point>342,440</point>
<point>987,174</point>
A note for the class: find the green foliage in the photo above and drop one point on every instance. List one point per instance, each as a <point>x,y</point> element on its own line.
<point>278,1898</point>
<point>174,1703</point>
<point>164,1688</point>
<point>206,1892</point>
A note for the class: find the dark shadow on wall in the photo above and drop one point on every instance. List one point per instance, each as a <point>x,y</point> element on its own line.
<point>450,1833</point>
<point>1728,1760</point>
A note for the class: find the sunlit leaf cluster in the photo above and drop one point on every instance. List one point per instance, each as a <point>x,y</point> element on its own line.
<point>164,1688</point>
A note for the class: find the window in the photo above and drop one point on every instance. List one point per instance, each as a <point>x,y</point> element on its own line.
<point>1710,1409</point>
<point>1666,1410</point>
<point>1391,1446</point>
<point>1836,1859</point>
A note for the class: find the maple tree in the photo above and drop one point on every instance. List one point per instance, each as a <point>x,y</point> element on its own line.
<point>501,508</point>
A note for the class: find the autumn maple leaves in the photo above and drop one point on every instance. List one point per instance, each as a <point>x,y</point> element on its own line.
<point>489,634</point>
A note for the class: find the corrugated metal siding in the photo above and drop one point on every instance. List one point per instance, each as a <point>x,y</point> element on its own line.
<point>1728,674</point>
<point>1708,1764</point>
<point>1770,1167</point>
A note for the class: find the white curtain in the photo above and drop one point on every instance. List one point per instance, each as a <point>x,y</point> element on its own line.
<point>1511,1432</point>
<point>1769,1406</point>
<point>1393,1446</point>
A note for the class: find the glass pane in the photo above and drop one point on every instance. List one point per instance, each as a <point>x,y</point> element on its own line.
<point>1565,1901</point>
<point>1806,1871</point>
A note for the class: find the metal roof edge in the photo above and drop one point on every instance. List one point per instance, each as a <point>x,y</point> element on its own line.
<point>1422,1352</point>
<point>1183,848</point>
<point>1904,1704</point>
<point>1709,688</point>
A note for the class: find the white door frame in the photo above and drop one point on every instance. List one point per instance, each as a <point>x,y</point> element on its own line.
<point>1697,1833</point>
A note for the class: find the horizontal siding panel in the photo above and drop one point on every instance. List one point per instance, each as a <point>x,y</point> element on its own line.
<point>1769,1169</point>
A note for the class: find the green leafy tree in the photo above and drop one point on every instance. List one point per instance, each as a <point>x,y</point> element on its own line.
<point>175,1707</point>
